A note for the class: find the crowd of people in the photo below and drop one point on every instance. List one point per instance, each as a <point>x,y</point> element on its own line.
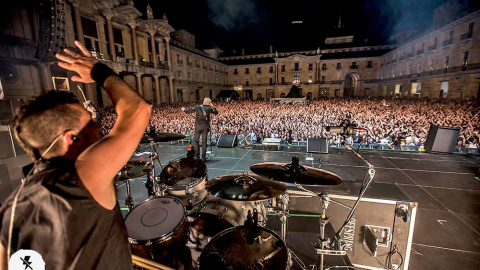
<point>393,123</point>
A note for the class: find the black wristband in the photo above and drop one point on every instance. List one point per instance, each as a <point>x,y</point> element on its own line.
<point>100,72</point>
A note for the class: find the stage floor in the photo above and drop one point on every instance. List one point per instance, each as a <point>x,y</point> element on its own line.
<point>446,187</point>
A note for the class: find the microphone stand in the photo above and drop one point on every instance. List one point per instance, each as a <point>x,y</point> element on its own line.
<point>369,175</point>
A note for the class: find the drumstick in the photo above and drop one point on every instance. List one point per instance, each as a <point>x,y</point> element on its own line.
<point>148,264</point>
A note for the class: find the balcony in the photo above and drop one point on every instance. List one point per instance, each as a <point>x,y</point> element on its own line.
<point>410,55</point>
<point>465,36</point>
<point>353,66</point>
<point>296,69</point>
<point>447,42</point>
<point>189,64</point>
<point>420,52</point>
<point>432,48</point>
<point>197,66</point>
<point>180,62</point>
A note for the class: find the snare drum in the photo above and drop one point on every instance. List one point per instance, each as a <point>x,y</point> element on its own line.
<point>245,248</point>
<point>156,226</point>
<point>185,179</point>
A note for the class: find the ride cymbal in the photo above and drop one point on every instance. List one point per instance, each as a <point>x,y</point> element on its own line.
<point>296,173</point>
<point>245,187</point>
<point>134,169</point>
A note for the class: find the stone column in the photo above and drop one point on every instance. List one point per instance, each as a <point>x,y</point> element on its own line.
<point>157,90</point>
<point>169,57</point>
<point>317,71</point>
<point>160,51</point>
<point>163,89</point>
<point>108,13</point>
<point>172,92</point>
<point>133,25</point>
<point>152,32</point>
<point>276,73</point>
<point>78,20</point>
<point>138,77</point>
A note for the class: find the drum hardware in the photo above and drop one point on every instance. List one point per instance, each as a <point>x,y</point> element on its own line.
<point>245,187</point>
<point>133,169</point>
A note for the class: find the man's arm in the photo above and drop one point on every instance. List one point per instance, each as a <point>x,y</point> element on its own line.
<point>192,110</point>
<point>99,163</point>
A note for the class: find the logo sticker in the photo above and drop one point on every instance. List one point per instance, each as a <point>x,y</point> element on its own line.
<point>26,259</point>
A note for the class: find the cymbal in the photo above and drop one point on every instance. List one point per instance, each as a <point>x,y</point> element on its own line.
<point>295,173</point>
<point>134,169</point>
<point>245,187</point>
<point>181,169</point>
<point>162,137</point>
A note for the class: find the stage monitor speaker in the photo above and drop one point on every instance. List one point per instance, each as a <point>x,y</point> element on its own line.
<point>5,185</point>
<point>317,145</point>
<point>8,108</point>
<point>227,140</point>
<point>441,139</point>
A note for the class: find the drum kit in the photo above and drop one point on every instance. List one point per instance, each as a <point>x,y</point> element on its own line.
<point>191,222</point>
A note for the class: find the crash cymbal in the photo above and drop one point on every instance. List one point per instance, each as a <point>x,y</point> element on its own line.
<point>181,169</point>
<point>296,173</point>
<point>245,187</point>
<point>134,169</point>
<point>162,137</point>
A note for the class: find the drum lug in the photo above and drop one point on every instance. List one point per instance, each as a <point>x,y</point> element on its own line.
<point>223,213</point>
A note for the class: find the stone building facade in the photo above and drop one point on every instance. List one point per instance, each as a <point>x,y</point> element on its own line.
<point>164,66</point>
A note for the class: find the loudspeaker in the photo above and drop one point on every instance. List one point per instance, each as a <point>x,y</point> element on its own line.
<point>317,145</point>
<point>52,30</point>
<point>5,185</point>
<point>441,139</point>
<point>227,140</point>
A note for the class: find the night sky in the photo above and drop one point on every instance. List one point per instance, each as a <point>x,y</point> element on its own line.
<point>256,24</point>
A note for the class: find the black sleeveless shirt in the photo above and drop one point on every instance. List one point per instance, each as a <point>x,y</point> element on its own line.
<point>57,217</point>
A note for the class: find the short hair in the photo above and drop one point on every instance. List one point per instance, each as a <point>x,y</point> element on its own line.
<point>207,101</point>
<point>41,119</point>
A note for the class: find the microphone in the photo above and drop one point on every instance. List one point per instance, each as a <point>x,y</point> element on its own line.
<point>90,107</point>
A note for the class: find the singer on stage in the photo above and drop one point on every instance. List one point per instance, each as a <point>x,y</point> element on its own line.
<point>202,124</point>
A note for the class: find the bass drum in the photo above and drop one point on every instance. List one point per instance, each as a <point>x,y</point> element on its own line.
<point>215,215</point>
<point>156,230</point>
<point>244,247</point>
<point>185,179</point>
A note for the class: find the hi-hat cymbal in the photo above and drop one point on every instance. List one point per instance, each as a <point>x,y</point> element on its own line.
<point>162,137</point>
<point>296,173</point>
<point>245,187</point>
<point>134,169</point>
<point>181,169</point>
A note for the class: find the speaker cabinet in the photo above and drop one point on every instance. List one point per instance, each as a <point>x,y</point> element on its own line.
<point>227,141</point>
<point>441,139</point>
<point>317,145</point>
<point>52,30</point>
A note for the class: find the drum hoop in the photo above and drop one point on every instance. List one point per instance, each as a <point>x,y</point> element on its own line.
<point>163,237</point>
<point>220,234</point>
<point>197,184</point>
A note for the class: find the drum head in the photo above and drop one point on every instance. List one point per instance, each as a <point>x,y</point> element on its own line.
<point>242,248</point>
<point>155,218</point>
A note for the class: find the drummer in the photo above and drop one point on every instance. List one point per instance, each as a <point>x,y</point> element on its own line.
<point>67,210</point>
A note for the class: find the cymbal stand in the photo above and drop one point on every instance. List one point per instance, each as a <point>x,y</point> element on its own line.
<point>283,214</point>
<point>154,157</point>
<point>129,198</point>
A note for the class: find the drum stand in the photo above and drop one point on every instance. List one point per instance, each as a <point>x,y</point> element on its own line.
<point>129,198</point>
<point>152,185</point>
<point>283,215</point>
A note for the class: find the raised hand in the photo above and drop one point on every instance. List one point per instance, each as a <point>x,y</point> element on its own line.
<point>81,64</point>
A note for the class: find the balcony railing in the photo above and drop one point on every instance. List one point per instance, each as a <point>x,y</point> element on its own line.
<point>410,55</point>
<point>353,66</point>
<point>446,43</point>
<point>432,48</point>
<point>420,52</point>
<point>465,36</point>
<point>296,69</point>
